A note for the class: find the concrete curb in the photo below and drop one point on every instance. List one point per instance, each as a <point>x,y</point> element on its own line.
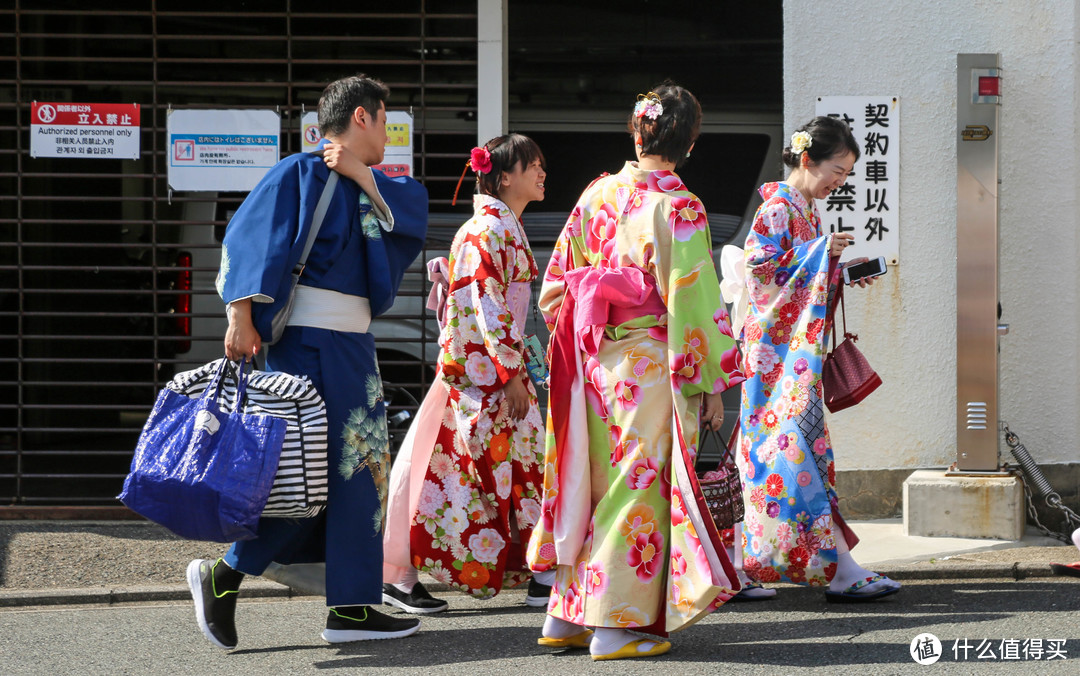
<point>265,589</point>
<point>139,594</point>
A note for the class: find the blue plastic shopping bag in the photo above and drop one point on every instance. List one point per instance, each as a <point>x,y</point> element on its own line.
<point>203,472</point>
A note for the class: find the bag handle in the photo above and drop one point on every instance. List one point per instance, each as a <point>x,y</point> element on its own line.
<point>225,367</point>
<point>729,447</point>
<point>843,317</point>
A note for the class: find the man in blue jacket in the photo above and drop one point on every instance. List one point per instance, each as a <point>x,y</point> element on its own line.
<point>373,229</point>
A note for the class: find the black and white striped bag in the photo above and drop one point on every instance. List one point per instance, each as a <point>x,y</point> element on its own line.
<point>300,485</point>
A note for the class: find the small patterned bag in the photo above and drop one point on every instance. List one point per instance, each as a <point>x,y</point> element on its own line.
<point>722,487</point>
<point>847,378</point>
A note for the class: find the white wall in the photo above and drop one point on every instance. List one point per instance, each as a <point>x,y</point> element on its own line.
<point>907,321</point>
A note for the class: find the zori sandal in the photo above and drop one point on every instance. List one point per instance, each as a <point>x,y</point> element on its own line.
<point>576,641</point>
<point>853,594</point>
<point>631,650</point>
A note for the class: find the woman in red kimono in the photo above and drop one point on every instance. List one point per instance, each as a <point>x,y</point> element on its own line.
<point>466,484</point>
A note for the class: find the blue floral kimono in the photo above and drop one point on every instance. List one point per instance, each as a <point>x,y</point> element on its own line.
<point>358,254</point>
<point>785,455</point>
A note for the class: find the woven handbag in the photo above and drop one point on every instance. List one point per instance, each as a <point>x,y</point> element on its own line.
<point>847,378</point>
<point>301,482</point>
<point>722,487</point>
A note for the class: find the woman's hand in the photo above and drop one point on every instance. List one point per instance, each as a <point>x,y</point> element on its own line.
<point>241,338</point>
<point>713,415</point>
<point>840,241</point>
<point>865,281</point>
<point>517,398</point>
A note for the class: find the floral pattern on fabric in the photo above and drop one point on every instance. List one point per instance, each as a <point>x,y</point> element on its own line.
<point>642,564</point>
<point>481,493</point>
<point>367,443</point>
<point>785,455</point>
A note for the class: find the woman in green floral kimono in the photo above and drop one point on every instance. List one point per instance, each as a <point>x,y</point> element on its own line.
<point>632,298</point>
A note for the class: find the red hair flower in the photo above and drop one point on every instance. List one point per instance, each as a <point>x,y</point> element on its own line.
<point>480,160</point>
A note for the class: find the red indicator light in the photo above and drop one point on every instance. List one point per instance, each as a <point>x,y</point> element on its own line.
<point>989,86</point>
<point>182,308</point>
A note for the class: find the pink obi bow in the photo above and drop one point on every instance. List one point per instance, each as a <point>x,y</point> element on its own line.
<point>439,276</point>
<point>609,296</point>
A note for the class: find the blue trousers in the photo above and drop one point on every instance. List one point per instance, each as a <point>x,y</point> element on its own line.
<point>347,535</point>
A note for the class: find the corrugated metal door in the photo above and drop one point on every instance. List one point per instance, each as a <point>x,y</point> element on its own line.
<point>106,284</point>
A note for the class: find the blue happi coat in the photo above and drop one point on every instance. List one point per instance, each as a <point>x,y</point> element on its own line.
<point>358,254</point>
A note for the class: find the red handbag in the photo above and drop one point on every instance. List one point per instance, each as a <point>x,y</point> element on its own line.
<point>846,376</point>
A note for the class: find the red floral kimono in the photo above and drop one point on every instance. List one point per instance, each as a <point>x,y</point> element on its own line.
<point>476,474</point>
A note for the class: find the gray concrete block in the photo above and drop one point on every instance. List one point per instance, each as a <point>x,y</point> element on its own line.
<point>936,505</point>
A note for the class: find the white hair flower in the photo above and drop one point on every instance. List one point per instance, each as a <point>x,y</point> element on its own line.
<point>800,141</point>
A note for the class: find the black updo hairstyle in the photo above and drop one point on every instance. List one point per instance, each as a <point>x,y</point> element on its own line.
<point>831,137</point>
<point>671,134</point>
<point>507,151</point>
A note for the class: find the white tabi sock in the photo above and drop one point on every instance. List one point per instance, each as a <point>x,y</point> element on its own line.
<point>558,628</point>
<point>408,581</point>
<point>546,578</point>
<point>848,572</point>
<point>606,641</point>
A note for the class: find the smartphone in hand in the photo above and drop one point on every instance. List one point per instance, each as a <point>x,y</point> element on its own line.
<point>875,267</point>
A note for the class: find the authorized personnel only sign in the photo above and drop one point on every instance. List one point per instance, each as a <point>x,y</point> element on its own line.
<point>226,150</point>
<point>94,130</point>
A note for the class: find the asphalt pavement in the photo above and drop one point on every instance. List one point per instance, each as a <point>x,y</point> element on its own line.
<point>109,598</point>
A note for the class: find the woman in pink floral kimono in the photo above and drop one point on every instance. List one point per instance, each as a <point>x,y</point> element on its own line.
<point>638,342</point>
<point>465,487</point>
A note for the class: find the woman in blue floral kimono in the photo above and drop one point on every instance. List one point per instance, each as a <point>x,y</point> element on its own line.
<point>792,529</point>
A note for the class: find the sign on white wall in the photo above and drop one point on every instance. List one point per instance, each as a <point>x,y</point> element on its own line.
<point>399,145</point>
<point>867,205</point>
<point>85,130</point>
<point>224,150</point>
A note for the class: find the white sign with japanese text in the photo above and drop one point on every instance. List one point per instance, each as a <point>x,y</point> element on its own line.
<point>221,150</point>
<point>85,130</point>
<point>399,147</point>
<point>867,204</point>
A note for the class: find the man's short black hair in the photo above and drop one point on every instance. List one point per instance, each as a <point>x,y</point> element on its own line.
<point>342,97</point>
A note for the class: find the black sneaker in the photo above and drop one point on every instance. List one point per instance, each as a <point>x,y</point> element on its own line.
<point>537,596</point>
<point>364,623</point>
<point>419,601</point>
<point>215,611</point>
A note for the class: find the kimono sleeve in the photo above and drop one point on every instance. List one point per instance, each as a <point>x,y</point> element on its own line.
<point>394,240</point>
<point>553,288</point>
<point>482,326</point>
<point>702,355</point>
<point>258,241</point>
<point>782,276</point>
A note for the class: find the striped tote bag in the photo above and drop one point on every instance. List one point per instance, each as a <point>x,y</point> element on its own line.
<point>300,485</point>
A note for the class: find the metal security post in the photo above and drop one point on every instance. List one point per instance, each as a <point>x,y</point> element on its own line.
<point>978,97</point>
